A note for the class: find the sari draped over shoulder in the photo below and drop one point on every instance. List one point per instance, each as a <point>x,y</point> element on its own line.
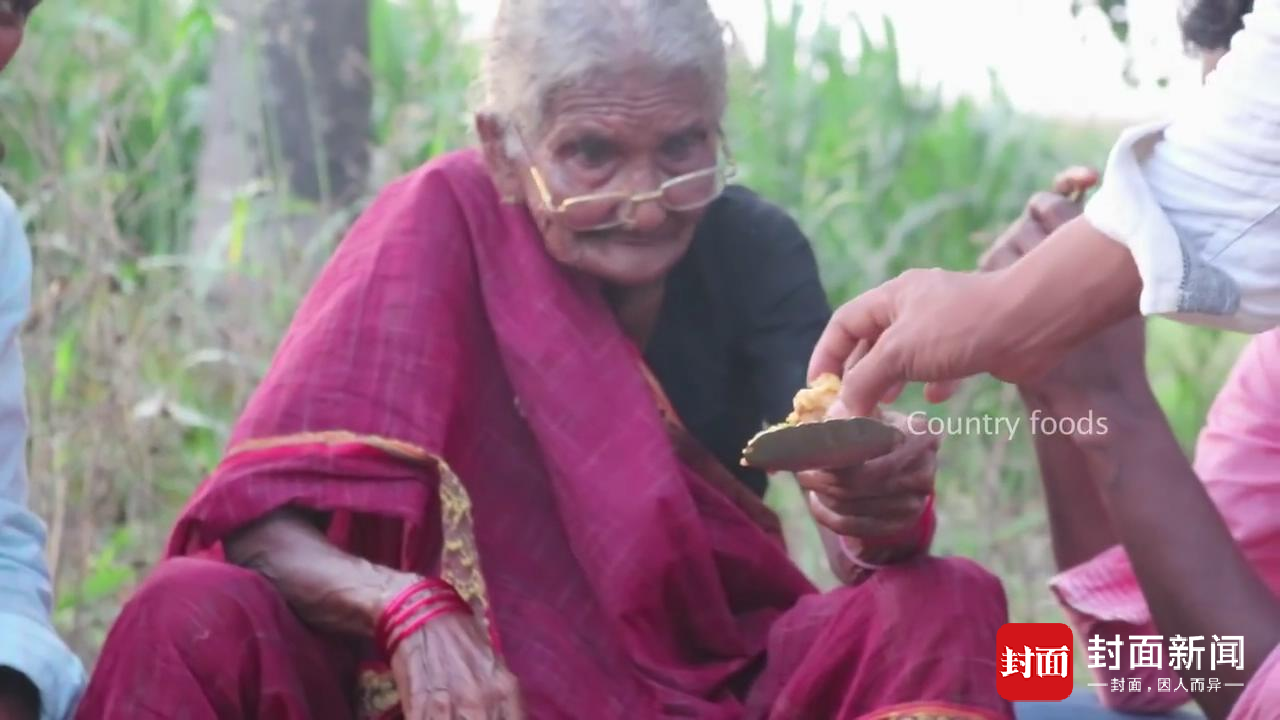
<point>460,403</point>
<point>452,401</point>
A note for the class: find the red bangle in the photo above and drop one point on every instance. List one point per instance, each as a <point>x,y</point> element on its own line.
<point>415,624</point>
<point>443,598</point>
<point>396,604</point>
<point>396,611</point>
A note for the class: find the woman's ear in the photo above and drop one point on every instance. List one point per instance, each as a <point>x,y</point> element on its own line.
<point>504,170</point>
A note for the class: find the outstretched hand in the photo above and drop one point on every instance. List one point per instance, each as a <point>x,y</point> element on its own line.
<point>938,326</point>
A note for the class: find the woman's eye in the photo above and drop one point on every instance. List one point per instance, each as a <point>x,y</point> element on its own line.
<point>678,149</point>
<point>594,152</point>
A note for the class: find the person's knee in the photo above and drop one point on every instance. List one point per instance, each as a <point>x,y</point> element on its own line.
<point>186,601</point>
<point>945,588</point>
<point>965,574</point>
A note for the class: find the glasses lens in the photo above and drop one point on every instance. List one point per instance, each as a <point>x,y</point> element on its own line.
<point>593,212</point>
<point>693,190</point>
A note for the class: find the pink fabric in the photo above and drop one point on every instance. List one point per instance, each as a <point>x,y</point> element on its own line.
<point>619,578</point>
<point>1238,460</point>
<point>1261,700</point>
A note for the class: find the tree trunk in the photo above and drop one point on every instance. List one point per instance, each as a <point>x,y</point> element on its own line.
<point>286,150</point>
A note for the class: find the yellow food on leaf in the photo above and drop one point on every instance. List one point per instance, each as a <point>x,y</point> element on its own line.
<point>812,402</point>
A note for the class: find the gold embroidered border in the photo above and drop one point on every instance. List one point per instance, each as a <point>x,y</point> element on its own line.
<point>395,448</point>
<point>931,712</point>
<point>377,695</point>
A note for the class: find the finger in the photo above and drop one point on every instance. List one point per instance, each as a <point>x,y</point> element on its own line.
<point>1011,245</point>
<point>851,526</point>
<point>898,509</point>
<point>862,318</point>
<point>880,477</point>
<point>867,383</point>
<point>1077,178</point>
<point>826,484</point>
<point>894,392</point>
<point>941,391</point>
<point>438,705</point>
<point>512,708</point>
<point>1051,211</point>
<point>999,256</point>
<point>894,473</point>
<point>472,705</point>
<point>490,701</point>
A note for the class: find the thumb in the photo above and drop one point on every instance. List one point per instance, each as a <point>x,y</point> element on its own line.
<point>859,321</point>
<point>869,380</point>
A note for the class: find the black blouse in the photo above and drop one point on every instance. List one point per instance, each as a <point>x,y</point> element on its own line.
<point>742,312</point>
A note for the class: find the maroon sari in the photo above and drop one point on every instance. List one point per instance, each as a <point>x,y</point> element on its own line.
<point>461,404</point>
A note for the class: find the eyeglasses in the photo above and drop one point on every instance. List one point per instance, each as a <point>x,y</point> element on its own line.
<point>605,211</point>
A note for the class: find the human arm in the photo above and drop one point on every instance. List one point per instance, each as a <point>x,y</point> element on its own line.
<point>1193,576</point>
<point>1235,461</point>
<point>446,666</point>
<point>1079,523</point>
<point>29,647</point>
<point>1185,226</point>
<point>1122,468</point>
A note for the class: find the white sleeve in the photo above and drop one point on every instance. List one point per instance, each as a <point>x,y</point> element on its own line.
<point>1197,199</point>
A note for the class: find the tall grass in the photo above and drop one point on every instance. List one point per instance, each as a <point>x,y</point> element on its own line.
<point>134,380</point>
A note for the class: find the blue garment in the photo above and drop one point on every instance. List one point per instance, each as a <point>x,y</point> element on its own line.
<point>28,642</point>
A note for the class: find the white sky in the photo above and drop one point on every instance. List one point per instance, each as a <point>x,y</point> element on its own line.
<point>1047,61</point>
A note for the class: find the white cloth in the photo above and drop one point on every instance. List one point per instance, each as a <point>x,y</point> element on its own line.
<point>28,642</point>
<point>1197,199</point>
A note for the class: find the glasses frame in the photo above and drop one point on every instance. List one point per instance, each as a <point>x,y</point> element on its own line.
<point>723,171</point>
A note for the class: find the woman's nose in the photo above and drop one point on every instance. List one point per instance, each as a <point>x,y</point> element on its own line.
<point>645,211</point>
<point>646,215</point>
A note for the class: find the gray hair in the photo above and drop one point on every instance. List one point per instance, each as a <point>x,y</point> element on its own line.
<point>540,46</point>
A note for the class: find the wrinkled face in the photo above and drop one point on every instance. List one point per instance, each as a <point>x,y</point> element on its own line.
<point>625,134</point>
<point>11,25</point>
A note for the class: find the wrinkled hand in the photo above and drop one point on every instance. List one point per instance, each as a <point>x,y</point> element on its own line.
<point>882,497</point>
<point>448,671</point>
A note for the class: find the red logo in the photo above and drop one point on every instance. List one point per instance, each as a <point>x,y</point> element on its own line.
<point>1034,662</point>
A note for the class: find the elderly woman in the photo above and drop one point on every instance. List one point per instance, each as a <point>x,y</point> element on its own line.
<point>463,490</point>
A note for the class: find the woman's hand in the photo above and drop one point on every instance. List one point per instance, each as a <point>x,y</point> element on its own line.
<point>448,671</point>
<point>883,497</point>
